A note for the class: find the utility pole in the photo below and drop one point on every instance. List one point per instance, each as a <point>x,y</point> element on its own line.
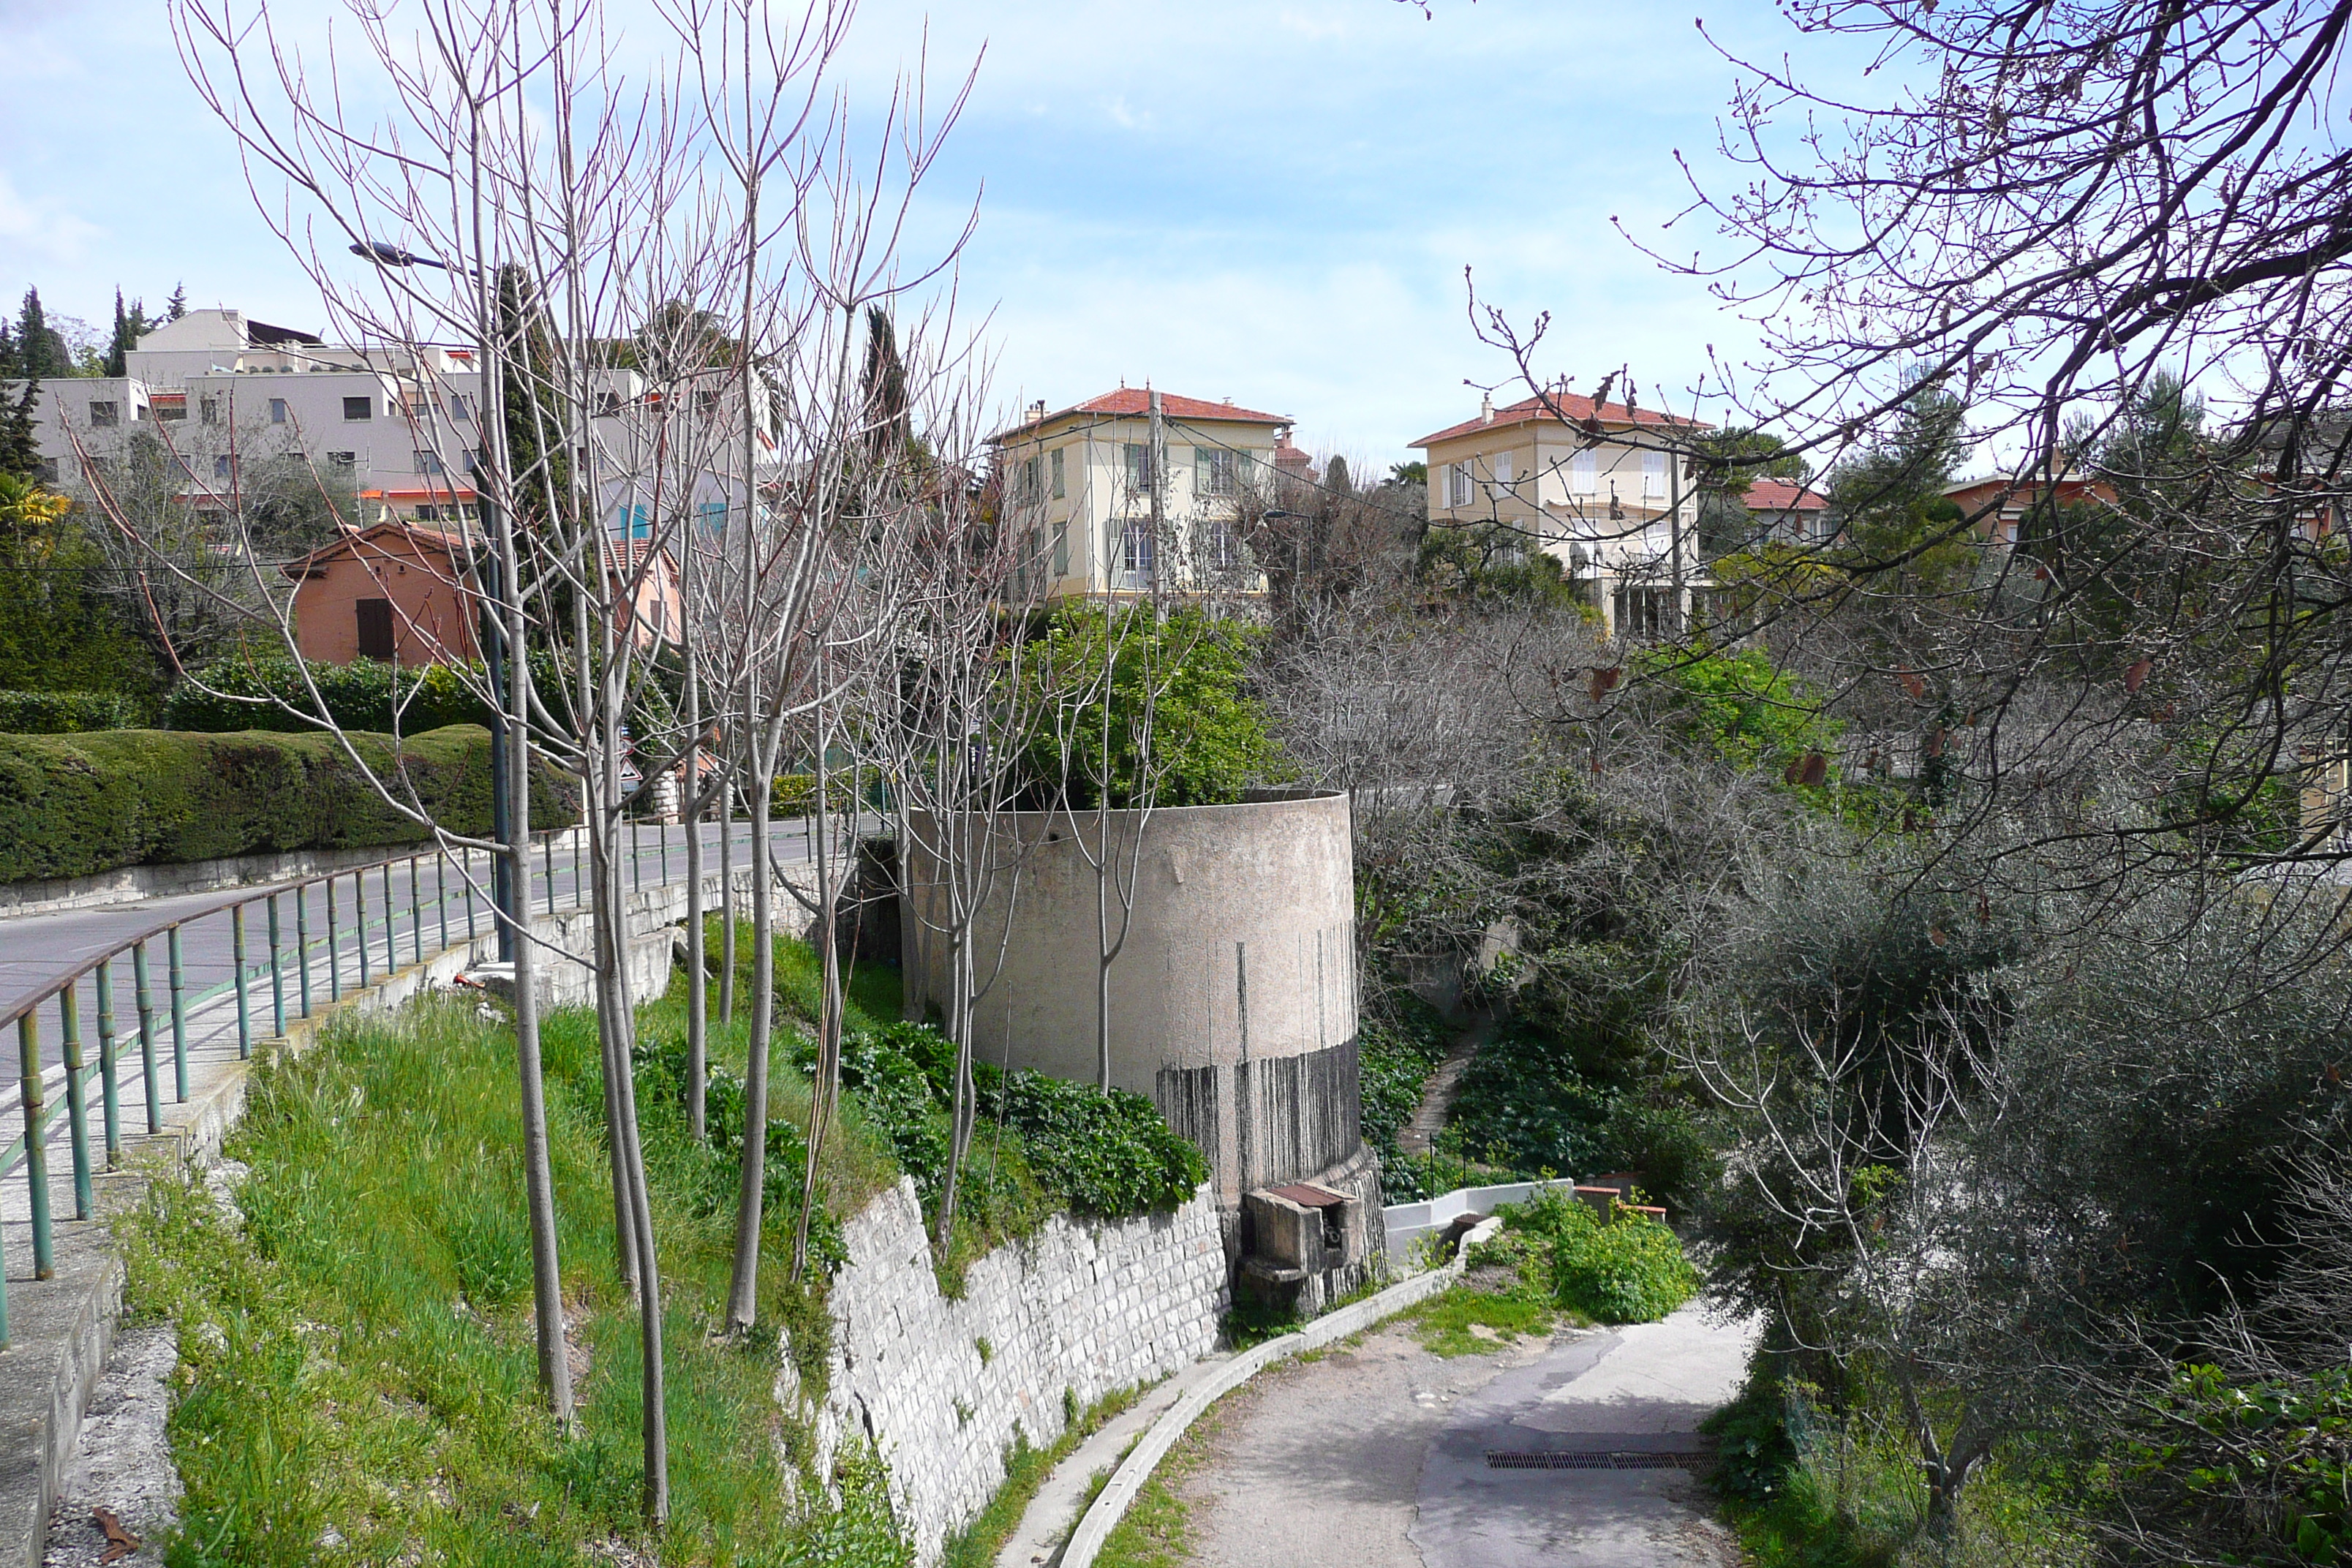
<point>1675,537</point>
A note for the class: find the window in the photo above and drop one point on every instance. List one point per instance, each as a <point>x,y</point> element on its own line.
<point>1059,491</point>
<point>104,414</point>
<point>1584,473</point>
<point>1653,473</point>
<point>343,459</point>
<point>354,407</point>
<point>635,521</point>
<point>173,411</point>
<point>711,516</point>
<point>1224,548</point>
<point>1027,482</point>
<point>420,405</point>
<point>1061,535</point>
<point>1502,467</point>
<point>1458,484</point>
<point>1136,549</point>
<point>431,515</point>
<point>278,411</point>
<point>427,463</point>
<point>223,467</point>
<point>187,469</point>
<point>374,617</point>
<point>460,405</point>
<point>1213,471</point>
<point>1138,465</point>
<point>208,410</point>
<point>607,404</point>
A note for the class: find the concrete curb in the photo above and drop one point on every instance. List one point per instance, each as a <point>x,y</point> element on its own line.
<point>1119,1492</point>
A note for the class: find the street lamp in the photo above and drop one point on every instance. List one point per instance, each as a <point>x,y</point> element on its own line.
<point>502,870</point>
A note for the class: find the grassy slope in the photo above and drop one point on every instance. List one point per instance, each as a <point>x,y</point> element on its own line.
<point>359,1379</point>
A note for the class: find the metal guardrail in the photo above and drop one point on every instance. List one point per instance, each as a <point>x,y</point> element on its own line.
<point>292,970</point>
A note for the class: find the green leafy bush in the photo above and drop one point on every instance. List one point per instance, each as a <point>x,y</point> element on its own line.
<point>65,712</point>
<point>1395,1056</point>
<point>1107,1155</point>
<point>74,804</point>
<point>2259,1469</point>
<point>1630,1270</point>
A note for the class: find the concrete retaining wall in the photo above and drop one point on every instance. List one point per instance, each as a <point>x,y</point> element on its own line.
<point>1081,1307</point>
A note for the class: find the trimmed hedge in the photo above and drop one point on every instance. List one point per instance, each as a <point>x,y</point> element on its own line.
<point>360,695</point>
<point>74,804</point>
<point>65,712</point>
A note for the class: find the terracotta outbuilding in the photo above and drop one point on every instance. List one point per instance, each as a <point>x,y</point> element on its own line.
<point>396,591</point>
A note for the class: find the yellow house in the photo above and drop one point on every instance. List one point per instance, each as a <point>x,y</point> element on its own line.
<point>1604,489</point>
<point>1135,491</point>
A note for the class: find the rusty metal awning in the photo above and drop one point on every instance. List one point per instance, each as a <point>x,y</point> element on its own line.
<point>1307,1195</point>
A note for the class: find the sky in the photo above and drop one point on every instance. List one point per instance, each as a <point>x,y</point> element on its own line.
<point>1273,201</point>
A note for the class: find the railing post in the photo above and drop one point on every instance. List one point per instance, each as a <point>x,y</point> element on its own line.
<point>236,954</point>
<point>441,891</point>
<point>334,946</point>
<point>547,864</point>
<point>465,876</point>
<point>415,914</point>
<point>359,922</point>
<point>76,1099</point>
<point>147,1036</point>
<point>37,1149</point>
<point>277,975</point>
<point>179,1018</point>
<point>391,923</point>
<point>110,1075</point>
<point>302,942</point>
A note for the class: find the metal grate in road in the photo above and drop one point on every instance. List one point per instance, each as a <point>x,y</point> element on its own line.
<point>1596,1459</point>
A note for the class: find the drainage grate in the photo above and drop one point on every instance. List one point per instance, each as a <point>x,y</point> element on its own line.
<point>1601,1459</point>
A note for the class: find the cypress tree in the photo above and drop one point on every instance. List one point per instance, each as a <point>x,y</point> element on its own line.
<point>41,351</point>
<point>177,305</point>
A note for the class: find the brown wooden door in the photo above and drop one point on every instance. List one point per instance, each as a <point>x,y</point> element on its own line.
<point>375,628</point>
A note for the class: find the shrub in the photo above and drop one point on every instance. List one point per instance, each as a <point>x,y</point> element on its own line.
<point>794,794</point>
<point>365,694</point>
<point>72,805</point>
<point>65,712</point>
<point>1396,1058</point>
<point>1630,1270</point>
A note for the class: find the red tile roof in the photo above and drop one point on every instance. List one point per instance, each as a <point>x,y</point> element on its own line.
<point>421,534</point>
<point>1136,402</point>
<point>1572,406</point>
<point>1780,495</point>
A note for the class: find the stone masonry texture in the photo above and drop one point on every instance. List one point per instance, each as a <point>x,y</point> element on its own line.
<point>1083,1305</point>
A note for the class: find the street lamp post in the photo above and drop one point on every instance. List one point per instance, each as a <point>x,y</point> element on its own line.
<point>502,871</point>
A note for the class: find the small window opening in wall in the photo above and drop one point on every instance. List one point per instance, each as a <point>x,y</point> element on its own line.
<point>1335,1226</point>
<point>359,407</point>
<point>374,617</point>
<point>105,414</point>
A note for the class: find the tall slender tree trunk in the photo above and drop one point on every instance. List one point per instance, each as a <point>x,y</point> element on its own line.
<point>826,1089</point>
<point>539,1179</point>
<point>743,1288</point>
<point>697,993</point>
<point>726,890</point>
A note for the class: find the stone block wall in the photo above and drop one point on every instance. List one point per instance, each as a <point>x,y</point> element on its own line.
<point>1082,1306</point>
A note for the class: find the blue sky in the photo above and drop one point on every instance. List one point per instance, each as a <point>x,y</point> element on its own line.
<point>1270,202</point>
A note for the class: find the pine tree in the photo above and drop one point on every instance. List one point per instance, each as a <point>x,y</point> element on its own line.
<point>177,305</point>
<point>41,351</point>
<point>130,325</point>
<point>20,446</point>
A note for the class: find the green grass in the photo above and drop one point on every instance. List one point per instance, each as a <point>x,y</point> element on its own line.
<point>1446,1322</point>
<point>358,1380</point>
<point>1157,1530</point>
<point>1025,1469</point>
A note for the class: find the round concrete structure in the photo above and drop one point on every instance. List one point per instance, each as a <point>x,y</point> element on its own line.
<point>1233,1001</point>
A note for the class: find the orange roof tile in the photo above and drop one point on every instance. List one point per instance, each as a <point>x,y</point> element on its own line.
<point>1136,402</point>
<point>1780,495</point>
<point>1569,404</point>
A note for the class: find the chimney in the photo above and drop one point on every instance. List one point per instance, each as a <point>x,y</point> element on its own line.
<point>1485,408</point>
<point>1037,409</point>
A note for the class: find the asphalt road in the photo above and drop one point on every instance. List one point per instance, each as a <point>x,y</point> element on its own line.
<point>400,915</point>
<point>1377,1456</point>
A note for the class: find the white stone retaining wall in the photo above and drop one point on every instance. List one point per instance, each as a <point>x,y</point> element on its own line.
<point>1085,1306</point>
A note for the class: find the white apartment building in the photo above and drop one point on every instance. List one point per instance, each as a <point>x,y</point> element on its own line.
<point>1135,491</point>
<point>1604,489</point>
<point>224,391</point>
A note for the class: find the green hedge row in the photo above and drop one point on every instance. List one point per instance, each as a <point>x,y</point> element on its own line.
<point>365,694</point>
<point>65,712</point>
<point>74,804</point>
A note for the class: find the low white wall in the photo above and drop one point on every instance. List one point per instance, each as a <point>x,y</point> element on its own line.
<point>1085,1306</point>
<point>1408,1223</point>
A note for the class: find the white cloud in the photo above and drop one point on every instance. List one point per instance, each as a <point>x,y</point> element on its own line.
<point>41,232</point>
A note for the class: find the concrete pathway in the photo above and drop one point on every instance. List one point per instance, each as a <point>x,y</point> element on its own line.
<point>1419,1135</point>
<point>1376,1456</point>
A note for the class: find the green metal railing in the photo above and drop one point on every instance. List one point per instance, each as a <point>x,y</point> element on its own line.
<point>372,951</point>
